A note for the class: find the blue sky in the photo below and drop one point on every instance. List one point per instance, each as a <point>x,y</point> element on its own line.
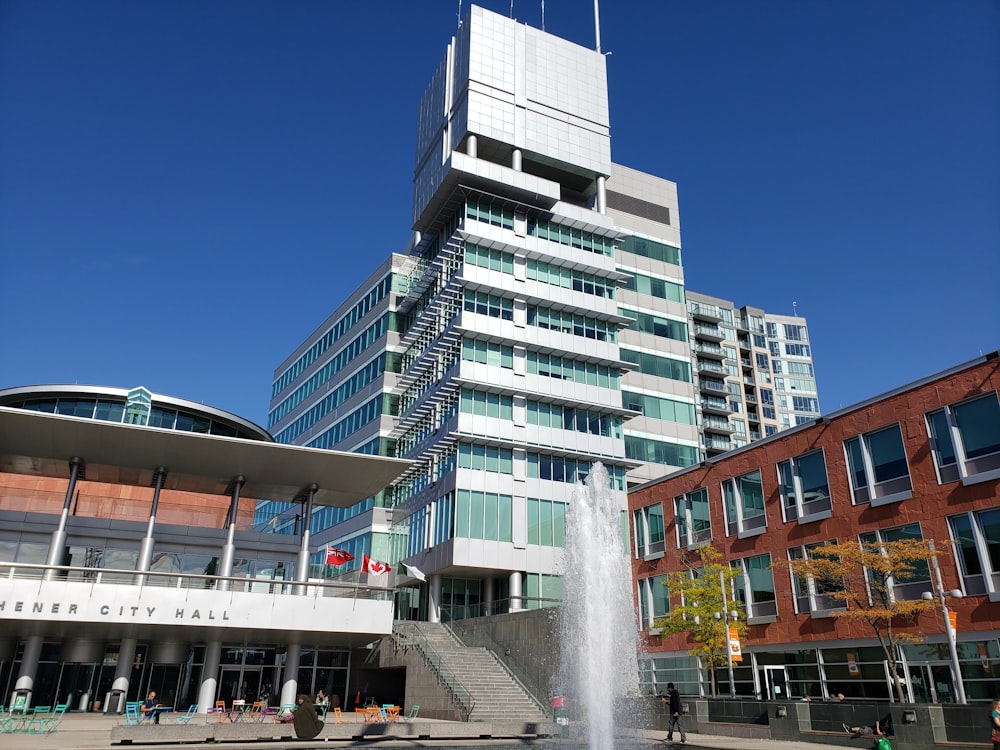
<point>187,189</point>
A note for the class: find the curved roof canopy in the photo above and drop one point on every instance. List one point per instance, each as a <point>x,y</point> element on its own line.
<point>41,444</point>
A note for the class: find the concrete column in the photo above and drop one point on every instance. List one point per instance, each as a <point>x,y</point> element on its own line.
<point>290,678</point>
<point>146,547</point>
<point>602,196</point>
<point>488,596</point>
<point>515,160</point>
<point>515,591</point>
<point>123,672</point>
<point>29,666</point>
<point>209,677</point>
<point>434,599</point>
<point>302,568</point>
<point>58,542</point>
<point>229,548</point>
<point>471,146</point>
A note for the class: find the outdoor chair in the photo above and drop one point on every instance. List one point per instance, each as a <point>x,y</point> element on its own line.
<point>338,716</point>
<point>50,722</point>
<point>253,713</point>
<point>38,719</point>
<point>414,710</point>
<point>219,710</point>
<point>132,716</point>
<point>392,713</point>
<point>185,718</point>
<point>284,712</point>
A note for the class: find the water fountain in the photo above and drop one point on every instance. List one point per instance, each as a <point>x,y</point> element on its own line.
<point>598,669</point>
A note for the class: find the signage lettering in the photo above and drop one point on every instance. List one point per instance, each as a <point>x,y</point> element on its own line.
<point>105,610</point>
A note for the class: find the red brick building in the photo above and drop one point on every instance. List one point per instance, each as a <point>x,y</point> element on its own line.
<point>922,461</point>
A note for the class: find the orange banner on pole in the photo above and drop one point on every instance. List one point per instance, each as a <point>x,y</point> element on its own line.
<point>953,619</point>
<point>735,650</point>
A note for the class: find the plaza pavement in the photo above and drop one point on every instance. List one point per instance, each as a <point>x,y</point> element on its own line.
<point>91,731</point>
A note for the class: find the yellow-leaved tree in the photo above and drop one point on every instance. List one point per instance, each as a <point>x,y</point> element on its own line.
<point>700,585</point>
<point>864,577</point>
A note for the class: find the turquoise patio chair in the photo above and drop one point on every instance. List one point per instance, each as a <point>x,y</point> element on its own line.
<point>50,722</point>
<point>414,710</point>
<point>132,716</point>
<point>185,718</point>
<point>39,718</point>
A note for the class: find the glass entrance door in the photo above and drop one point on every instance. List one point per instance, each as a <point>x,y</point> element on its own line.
<point>776,682</point>
<point>931,682</point>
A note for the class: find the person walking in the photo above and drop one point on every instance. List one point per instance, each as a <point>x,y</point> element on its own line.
<point>995,724</point>
<point>674,699</point>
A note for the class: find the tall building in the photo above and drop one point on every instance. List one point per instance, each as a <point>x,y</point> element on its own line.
<point>753,370</point>
<point>536,324</point>
<point>920,462</point>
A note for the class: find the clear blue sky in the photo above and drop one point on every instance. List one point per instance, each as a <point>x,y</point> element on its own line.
<point>188,188</point>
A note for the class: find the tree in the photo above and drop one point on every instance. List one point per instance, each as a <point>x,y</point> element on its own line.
<point>863,577</point>
<point>700,611</point>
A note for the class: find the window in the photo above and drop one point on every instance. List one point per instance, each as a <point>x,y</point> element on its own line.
<point>755,588</point>
<point>977,535</point>
<point>914,584</point>
<point>762,362</point>
<point>654,600</point>
<point>812,596</point>
<point>546,522</point>
<point>805,490</point>
<point>877,465</point>
<point>743,499</point>
<point>649,534</point>
<point>692,518</point>
<point>965,439</point>
<point>795,333</point>
<point>483,515</point>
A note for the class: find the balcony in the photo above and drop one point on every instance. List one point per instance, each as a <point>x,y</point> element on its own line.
<point>716,424</point>
<point>709,366</point>
<point>750,398</point>
<point>702,311</point>
<point>746,362</point>
<point>715,443</point>
<point>711,385</point>
<point>712,333</point>
<point>708,350</point>
<point>744,343</point>
<point>715,405</point>
<point>752,416</point>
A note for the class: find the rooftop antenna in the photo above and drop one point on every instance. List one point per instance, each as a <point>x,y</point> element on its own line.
<point>543,15</point>
<point>511,8</point>
<point>597,26</point>
<point>795,308</point>
<point>460,14</point>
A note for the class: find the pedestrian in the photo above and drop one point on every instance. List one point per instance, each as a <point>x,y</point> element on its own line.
<point>674,699</point>
<point>995,724</point>
<point>149,706</point>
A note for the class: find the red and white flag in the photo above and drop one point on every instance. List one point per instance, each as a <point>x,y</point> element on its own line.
<point>374,567</point>
<point>336,556</point>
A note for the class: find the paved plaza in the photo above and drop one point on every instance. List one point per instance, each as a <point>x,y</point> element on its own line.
<point>90,731</point>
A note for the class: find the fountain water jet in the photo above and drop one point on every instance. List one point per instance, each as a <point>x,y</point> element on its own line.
<point>598,667</point>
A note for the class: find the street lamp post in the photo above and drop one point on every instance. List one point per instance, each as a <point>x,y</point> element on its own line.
<point>725,621</point>
<point>952,634</point>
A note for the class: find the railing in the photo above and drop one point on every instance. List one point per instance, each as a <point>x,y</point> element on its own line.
<point>481,639</point>
<point>118,576</point>
<point>405,635</point>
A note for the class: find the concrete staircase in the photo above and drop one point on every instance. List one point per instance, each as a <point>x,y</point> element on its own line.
<point>494,695</point>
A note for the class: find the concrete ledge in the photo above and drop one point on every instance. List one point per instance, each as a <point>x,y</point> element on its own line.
<point>345,731</point>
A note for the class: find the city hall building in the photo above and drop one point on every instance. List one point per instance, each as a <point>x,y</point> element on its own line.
<point>128,563</point>
<point>919,462</point>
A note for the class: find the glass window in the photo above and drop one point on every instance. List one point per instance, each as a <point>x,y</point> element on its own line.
<point>649,530</point>
<point>877,466</point>
<point>977,537</point>
<point>805,489</point>
<point>755,588</point>
<point>692,518</point>
<point>965,439</point>
<point>921,571</point>
<point>654,600</point>
<point>812,595</point>
<point>743,498</point>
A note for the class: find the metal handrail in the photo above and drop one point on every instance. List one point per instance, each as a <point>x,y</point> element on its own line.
<point>447,677</point>
<point>239,584</point>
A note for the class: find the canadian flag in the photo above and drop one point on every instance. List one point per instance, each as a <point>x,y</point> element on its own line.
<point>375,567</point>
<point>336,556</point>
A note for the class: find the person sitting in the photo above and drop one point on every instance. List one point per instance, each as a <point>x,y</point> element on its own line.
<point>149,707</point>
<point>305,720</point>
<point>322,703</point>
